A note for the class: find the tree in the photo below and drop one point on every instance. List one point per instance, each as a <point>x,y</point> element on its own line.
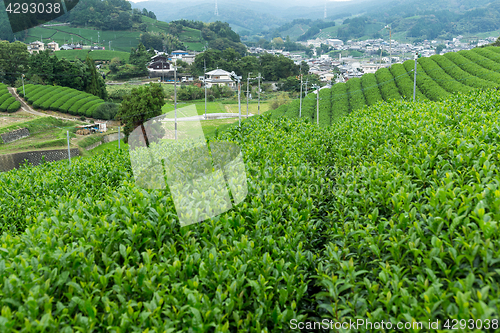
<point>96,85</point>
<point>439,48</point>
<point>141,104</point>
<point>13,60</point>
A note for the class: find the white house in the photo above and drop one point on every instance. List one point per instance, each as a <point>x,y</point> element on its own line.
<point>53,46</point>
<point>36,46</point>
<point>219,77</point>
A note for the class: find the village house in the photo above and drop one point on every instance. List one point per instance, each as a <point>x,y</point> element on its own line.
<point>219,77</point>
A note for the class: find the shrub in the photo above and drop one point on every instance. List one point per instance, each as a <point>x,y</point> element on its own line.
<point>279,100</point>
<point>14,106</point>
<point>86,106</point>
<point>69,103</point>
<point>387,86</point>
<point>4,106</point>
<point>38,101</point>
<point>105,111</point>
<point>459,74</point>
<point>325,107</point>
<point>404,81</point>
<point>473,68</point>
<point>64,92</point>
<point>75,109</point>
<point>340,102</point>
<point>4,97</point>
<point>355,94</point>
<point>427,86</point>
<point>90,111</point>
<point>370,88</point>
<point>436,73</point>
<point>55,106</point>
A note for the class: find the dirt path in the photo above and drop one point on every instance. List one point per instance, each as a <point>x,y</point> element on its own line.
<point>29,109</point>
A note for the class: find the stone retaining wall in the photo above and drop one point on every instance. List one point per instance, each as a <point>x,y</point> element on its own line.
<point>13,161</point>
<point>15,135</point>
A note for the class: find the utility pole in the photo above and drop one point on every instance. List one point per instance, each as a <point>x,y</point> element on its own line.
<point>307,81</point>
<point>238,78</point>
<point>415,76</point>
<point>24,94</point>
<point>258,106</point>
<point>205,84</point>
<point>175,97</point>
<point>248,83</point>
<point>97,38</point>
<point>69,151</point>
<point>317,103</point>
<point>390,44</point>
<point>300,107</point>
<point>109,45</point>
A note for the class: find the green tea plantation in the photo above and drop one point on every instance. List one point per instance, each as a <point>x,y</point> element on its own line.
<point>392,213</point>
<point>438,77</point>
<point>63,99</point>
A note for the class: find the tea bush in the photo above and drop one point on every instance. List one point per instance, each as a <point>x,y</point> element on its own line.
<point>459,74</point>
<point>473,68</point>
<point>436,73</point>
<point>404,81</point>
<point>370,89</point>
<point>340,102</point>
<point>5,104</point>
<point>355,94</point>
<point>387,86</point>
<point>427,86</point>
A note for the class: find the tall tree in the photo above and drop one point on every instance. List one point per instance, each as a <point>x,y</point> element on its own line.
<point>96,85</point>
<point>143,103</point>
<point>13,60</point>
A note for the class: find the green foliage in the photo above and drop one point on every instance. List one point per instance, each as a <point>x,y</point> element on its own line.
<point>370,88</point>
<point>5,105</point>
<point>96,86</point>
<point>387,86</point>
<point>481,60</point>
<point>355,94</point>
<point>279,100</point>
<point>334,217</point>
<point>143,103</point>
<point>106,111</point>
<point>14,106</point>
<point>13,61</point>
<point>325,108</point>
<point>473,68</point>
<point>427,86</point>
<point>340,102</point>
<point>404,81</point>
<point>459,74</point>
<point>436,73</point>
<point>61,99</point>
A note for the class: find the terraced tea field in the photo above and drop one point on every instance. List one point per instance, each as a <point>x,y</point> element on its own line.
<point>389,214</point>
<point>438,77</point>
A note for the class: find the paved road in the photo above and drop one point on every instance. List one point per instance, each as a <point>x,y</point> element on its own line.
<point>29,109</point>
<point>210,116</point>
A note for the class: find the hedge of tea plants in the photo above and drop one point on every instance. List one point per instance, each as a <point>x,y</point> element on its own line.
<point>370,89</point>
<point>437,78</point>
<point>355,94</point>
<point>389,215</point>
<point>386,84</point>
<point>61,99</point>
<point>404,83</point>
<point>427,85</point>
<point>473,68</point>
<point>8,103</point>
<point>436,73</point>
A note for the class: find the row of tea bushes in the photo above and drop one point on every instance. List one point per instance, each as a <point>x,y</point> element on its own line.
<point>63,99</point>
<point>435,72</point>
<point>8,103</point>
<point>427,85</point>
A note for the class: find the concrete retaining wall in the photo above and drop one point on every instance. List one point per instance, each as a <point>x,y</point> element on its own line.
<point>15,135</point>
<point>92,146</point>
<point>13,161</point>
<point>112,137</point>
